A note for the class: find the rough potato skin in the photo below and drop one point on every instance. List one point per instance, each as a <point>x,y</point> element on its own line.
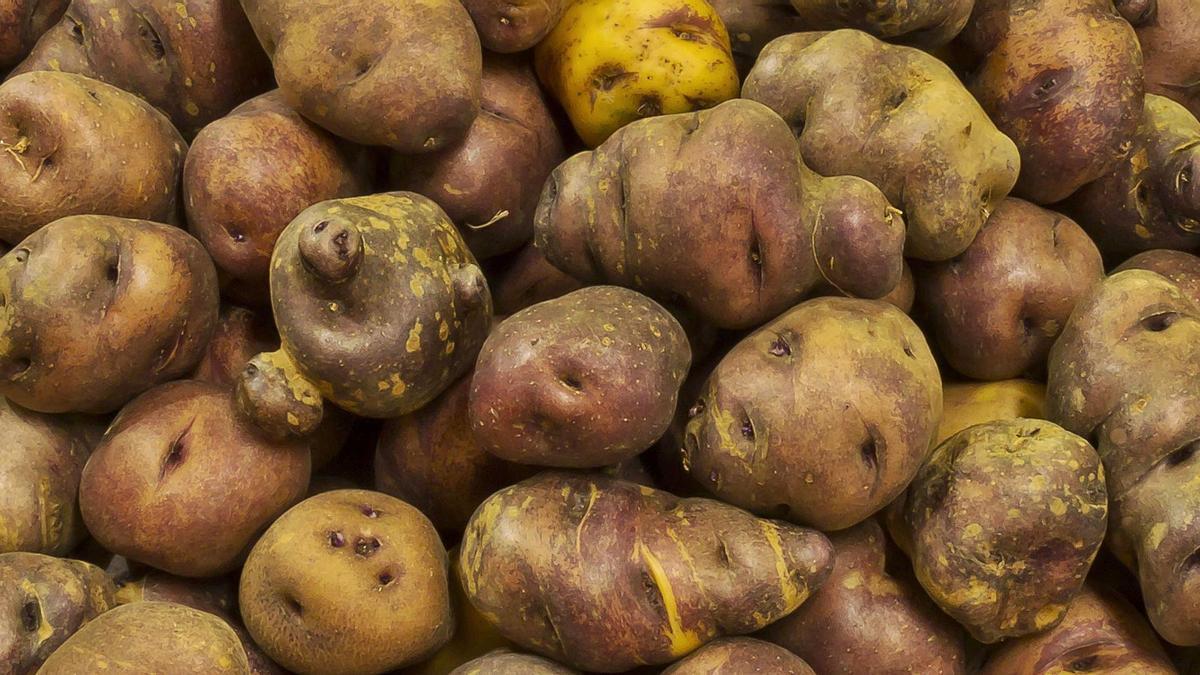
<point>1063,79</point>
<point>751,24</point>
<point>406,77</point>
<point>1152,198</point>
<point>22,22</point>
<point>249,174</point>
<point>192,59</point>
<point>821,417</point>
<point>923,23</point>
<point>604,575</point>
<point>390,606</point>
<point>1125,372</point>
<point>1183,269</point>
<point>965,404</point>
<point>740,656</point>
<point>996,309</point>
<point>508,26</point>
<point>917,133</point>
<point>181,483</point>
<point>1006,518</point>
<point>149,638</point>
<point>1101,633</point>
<point>105,152</point>
<point>658,186</point>
<point>507,662</point>
<point>43,601</point>
<point>146,292</point>
<point>527,279</point>
<point>1168,31</point>
<point>865,615</point>
<point>585,380</point>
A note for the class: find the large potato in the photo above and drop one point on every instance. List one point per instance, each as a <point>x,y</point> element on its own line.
<point>821,417</point>
<point>623,213</point>
<point>105,152</point>
<point>604,575</point>
<point>95,310</point>
<point>507,26</point>
<point>897,117</point>
<point>400,73</point>
<point>734,656</point>
<point>22,22</point>
<point>1168,31</point>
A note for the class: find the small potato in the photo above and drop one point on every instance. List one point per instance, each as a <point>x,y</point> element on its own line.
<point>1183,269</point>
<point>43,601</point>
<point>349,581</point>
<point>180,482</point>
<point>104,152</point>
<point>507,26</point>
<point>527,279</point>
<point>151,638</point>
<point>735,656</point>
<point>585,380</point>
<point>22,22</point>
<point>965,404</point>
<point>1005,521</point>
<point>98,309</point>
<point>821,417</point>
<point>506,662</point>
<point>998,307</point>
<point>1168,31</point>
<point>751,24</point>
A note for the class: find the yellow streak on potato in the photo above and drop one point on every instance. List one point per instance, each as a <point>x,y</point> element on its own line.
<point>1155,538</point>
<point>682,641</point>
<point>792,596</point>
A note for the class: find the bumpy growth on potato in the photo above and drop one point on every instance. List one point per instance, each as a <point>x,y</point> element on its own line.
<point>925,23</point>
<point>622,213</point>
<point>1168,31</point>
<point>897,117</point>
<point>605,575</point>
<point>22,22</point>
<point>822,416</point>
<point>1005,521</point>
<point>507,26</point>
<point>730,656</point>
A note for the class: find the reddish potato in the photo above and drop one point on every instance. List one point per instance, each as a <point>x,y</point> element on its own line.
<point>528,279</point>
<point>508,26</point>
<point>22,22</point>
<point>734,656</point>
<point>1168,31</point>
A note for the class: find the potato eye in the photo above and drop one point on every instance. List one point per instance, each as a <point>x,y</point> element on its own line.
<point>1084,664</point>
<point>75,29</point>
<point>30,616</point>
<point>747,429</point>
<point>21,255</point>
<point>152,39</point>
<point>1157,323</point>
<point>1181,455</point>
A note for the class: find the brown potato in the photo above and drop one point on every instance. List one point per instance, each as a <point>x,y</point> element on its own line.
<point>1183,269</point>
<point>923,23</point>
<point>350,581</point>
<point>507,26</point>
<point>150,638</point>
<point>145,292</point>
<point>250,173</point>
<point>965,404</point>
<point>586,380</point>
<point>738,656</point>
<point>1168,31</point>
<point>527,279</point>
<point>181,483</point>
<point>105,152</point>
<point>753,23</point>
<point>43,601</point>
<point>22,22</point>
<point>192,59</point>
<point>821,417</point>
<point>409,78</point>
<point>506,662</point>
<point>996,309</point>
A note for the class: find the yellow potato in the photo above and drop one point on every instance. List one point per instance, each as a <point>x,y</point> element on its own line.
<point>969,403</point>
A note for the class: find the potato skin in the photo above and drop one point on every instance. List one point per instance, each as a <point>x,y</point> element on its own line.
<point>43,601</point>
<point>753,253</point>
<point>604,575</point>
<point>1063,79</point>
<point>965,404</point>
<point>146,638</point>
<point>1006,518</point>
<point>924,140</point>
<point>249,174</point>
<point>473,635</point>
<point>181,483</point>
<point>751,24</point>
<point>527,279</point>
<point>996,309</point>
<point>610,62</point>
<point>390,569</point>
<point>408,79</point>
<point>506,662</point>
<point>22,22</point>
<point>738,656</point>
<point>507,26</point>
<point>147,293</point>
<point>822,416</point>
<point>192,59</point>
<point>923,23</point>
<point>1168,33</point>
<point>106,152</point>
<point>1183,269</point>
<point>585,380</point>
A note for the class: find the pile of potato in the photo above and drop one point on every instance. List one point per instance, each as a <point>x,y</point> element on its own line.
<point>524,337</point>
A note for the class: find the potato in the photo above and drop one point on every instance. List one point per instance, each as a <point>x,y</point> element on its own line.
<point>610,62</point>
<point>996,309</point>
<point>659,186</point>
<point>965,404</point>
<point>924,23</point>
<point>585,380</point>
<point>753,23</point>
<point>506,662</point>
<point>380,307</point>
<point>1063,79</point>
<point>44,600</point>
<point>349,581</point>
<point>1168,31</point>
<point>865,616</point>
<point>604,575</point>
<point>193,59</point>
<point>22,22</point>
<point>473,635</point>
<point>527,279</point>
<point>1183,269</point>
<point>1005,520</point>
<point>1151,199</point>
<point>408,78</point>
<point>147,638</point>
<point>1124,372</point>
<point>106,152</point>
<point>250,173</point>
<point>508,26</point>
<point>822,416</point>
<point>1101,632</point>
<point>98,309</point>
<point>181,483</point>
<point>925,142</point>
<point>733,656</point>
